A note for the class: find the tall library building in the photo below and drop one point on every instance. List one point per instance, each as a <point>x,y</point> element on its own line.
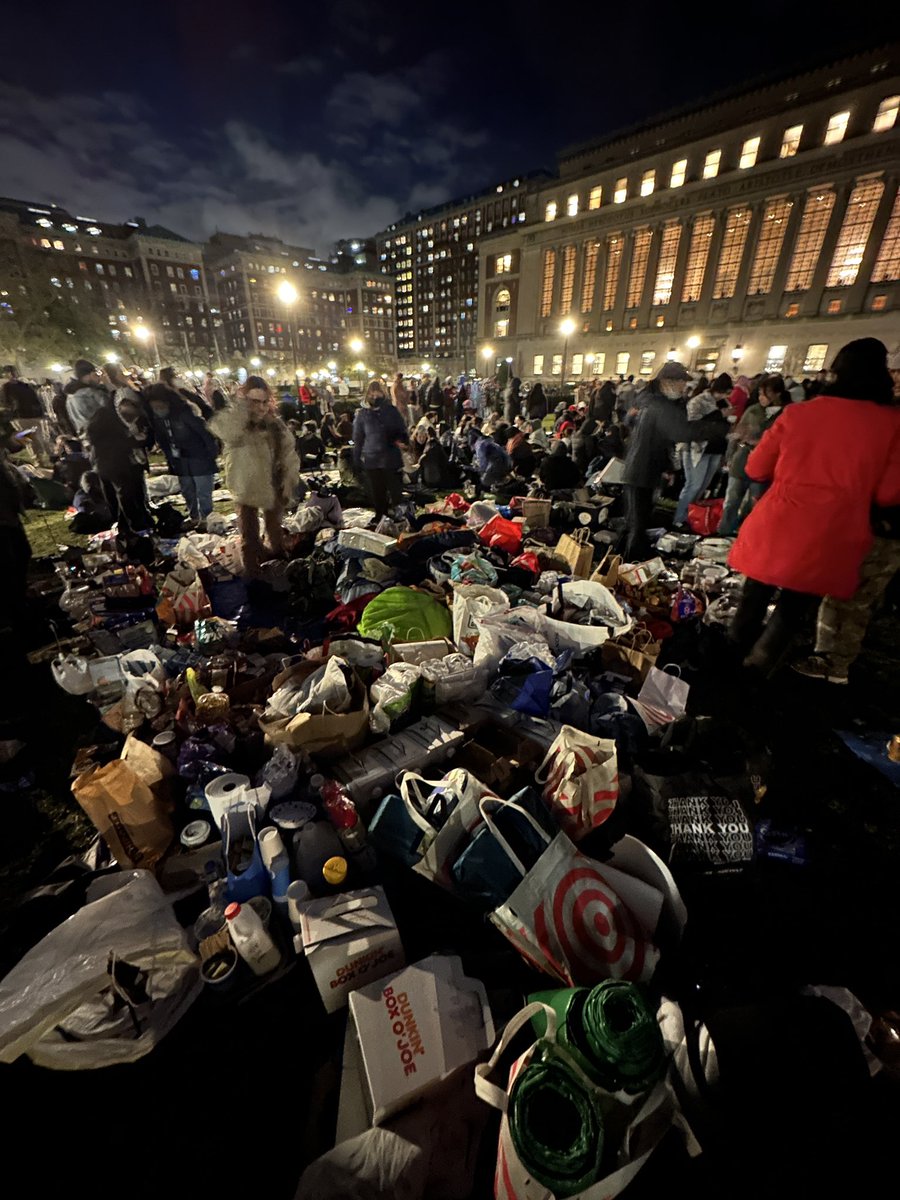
<point>758,232</point>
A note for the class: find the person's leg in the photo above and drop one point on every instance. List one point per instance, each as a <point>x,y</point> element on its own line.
<point>133,501</point>
<point>188,486</point>
<point>734,495</point>
<point>274,532</point>
<point>204,485</point>
<point>378,489</point>
<point>707,468</point>
<point>841,625</point>
<point>750,614</point>
<point>638,513</point>
<point>251,545</point>
<point>394,488</point>
<point>689,490</point>
<point>791,609</point>
<point>112,500</point>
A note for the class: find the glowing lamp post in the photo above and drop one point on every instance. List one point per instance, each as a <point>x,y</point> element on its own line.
<point>288,295</point>
<point>487,353</point>
<point>566,328</point>
<point>146,335</point>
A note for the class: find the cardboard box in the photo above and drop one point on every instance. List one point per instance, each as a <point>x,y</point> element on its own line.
<point>349,939</point>
<point>415,1028</point>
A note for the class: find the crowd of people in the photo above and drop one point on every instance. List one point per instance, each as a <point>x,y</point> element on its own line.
<point>808,470</point>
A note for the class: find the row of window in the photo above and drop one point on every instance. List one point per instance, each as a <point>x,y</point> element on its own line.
<point>885,119</point>
<point>706,358</point>
<point>768,247</point>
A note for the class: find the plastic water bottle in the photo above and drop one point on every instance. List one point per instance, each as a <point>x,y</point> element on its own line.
<point>278,864</point>
<point>316,845</point>
<point>251,939</point>
<point>343,814</point>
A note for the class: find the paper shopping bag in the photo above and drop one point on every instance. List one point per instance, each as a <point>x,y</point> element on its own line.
<point>578,551</point>
<point>125,812</point>
<point>182,598</point>
<point>631,654</point>
<point>580,774</point>
<point>607,572</point>
<point>662,698</point>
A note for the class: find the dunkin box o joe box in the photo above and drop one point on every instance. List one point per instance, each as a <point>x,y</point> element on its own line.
<point>349,940</point>
<point>417,1026</point>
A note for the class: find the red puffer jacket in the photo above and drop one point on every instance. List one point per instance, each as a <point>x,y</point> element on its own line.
<point>829,461</point>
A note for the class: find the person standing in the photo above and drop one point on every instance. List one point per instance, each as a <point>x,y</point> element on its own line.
<point>189,447</point>
<point>400,397</point>
<point>663,422</point>
<point>536,403</point>
<point>746,434</point>
<point>829,460</point>
<point>86,396</point>
<point>169,376</point>
<point>701,460</point>
<point>378,433</point>
<point>512,403</point>
<point>119,436</point>
<point>261,467</point>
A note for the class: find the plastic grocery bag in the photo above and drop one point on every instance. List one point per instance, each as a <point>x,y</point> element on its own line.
<point>580,774</point>
<point>471,601</point>
<point>500,630</point>
<point>393,695</point>
<point>452,678</point>
<point>133,822</point>
<point>403,615</point>
<point>106,985</point>
<point>73,674</point>
<point>662,698</point>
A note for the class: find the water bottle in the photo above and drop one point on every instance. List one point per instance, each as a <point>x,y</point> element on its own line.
<point>343,814</point>
<point>278,864</point>
<point>251,939</point>
<point>316,846</point>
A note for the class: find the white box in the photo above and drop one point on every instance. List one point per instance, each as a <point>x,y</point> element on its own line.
<point>416,1027</point>
<point>349,939</point>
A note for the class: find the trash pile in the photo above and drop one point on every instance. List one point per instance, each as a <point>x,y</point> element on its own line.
<point>471,695</point>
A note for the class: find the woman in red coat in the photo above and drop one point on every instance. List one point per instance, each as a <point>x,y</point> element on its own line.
<point>829,461</point>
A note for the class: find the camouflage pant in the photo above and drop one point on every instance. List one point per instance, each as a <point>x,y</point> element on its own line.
<point>841,625</point>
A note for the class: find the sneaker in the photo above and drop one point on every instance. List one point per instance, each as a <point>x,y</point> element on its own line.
<point>818,666</point>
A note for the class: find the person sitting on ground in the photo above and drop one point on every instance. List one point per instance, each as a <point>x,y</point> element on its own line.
<point>558,472</point>
<point>434,465</point>
<point>310,447</point>
<point>584,442</point>
<point>520,451</point>
<point>92,512</point>
<point>344,428</point>
<point>492,462</point>
<point>69,462</point>
<point>328,433</point>
<point>188,445</point>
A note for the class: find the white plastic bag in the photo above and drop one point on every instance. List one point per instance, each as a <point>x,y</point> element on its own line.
<point>73,674</point>
<point>61,1006</point>
<point>281,772</point>
<point>392,695</point>
<point>453,678</point>
<point>470,602</point>
<point>305,520</point>
<point>499,631</point>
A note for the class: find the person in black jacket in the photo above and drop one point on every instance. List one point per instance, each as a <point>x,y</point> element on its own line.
<point>169,377</point>
<point>378,433</point>
<point>662,423</point>
<point>119,440</point>
<point>536,403</point>
<point>602,403</point>
<point>310,447</point>
<point>189,447</point>
<point>558,472</point>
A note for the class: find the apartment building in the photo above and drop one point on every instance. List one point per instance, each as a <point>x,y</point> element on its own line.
<point>760,231</point>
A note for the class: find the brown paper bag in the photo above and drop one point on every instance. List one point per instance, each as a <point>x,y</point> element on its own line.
<point>578,551</point>
<point>125,812</point>
<point>631,654</point>
<point>607,571</point>
<point>151,768</point>
<point>328,735</point>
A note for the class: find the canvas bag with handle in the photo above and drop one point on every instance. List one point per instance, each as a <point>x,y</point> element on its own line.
<point>578,551</point>
<point>580,774</point>
<point>650,1117</point>
<point>457,820</point>
<point>568,919</point>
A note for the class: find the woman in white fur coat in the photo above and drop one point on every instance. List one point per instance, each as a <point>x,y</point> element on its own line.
<point>261,465</point>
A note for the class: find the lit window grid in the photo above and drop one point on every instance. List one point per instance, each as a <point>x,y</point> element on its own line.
<point>775,358</point>
<point>639,257</point>
<point>768,246</point>
<point>620,194</point>
<point>648,183</point>
<point>711,164</point>
<point>887,265</point>
<point>556,365</point>
<point>837,127</point>
<point>547,282</point>
<point>577,364</point>
<point>679,172</point>
<point>622,360</point>
<point>698,253</point>
<point>598,364</point>
<point>808,246</point>
<point>790,141</point>
<point>596,197</point>
<point>589,276</point>
<point>815,357</point>
<point>665,270</point>
<point>572,205</point>
<point>886,117</point>
<point>550,210</point>
<point>613,267</point>
<point>503,264</point>
<point>855,229</point>
<point>749,152</point>
<point>567,283</point>
<point>538,365</point>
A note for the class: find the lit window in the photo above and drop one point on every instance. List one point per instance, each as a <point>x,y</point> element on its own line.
<point>679,171</point>
<point>589,276</point>
<point>887,265</point>
<point>596,197</point>
<point>632,322</point>
<point>851,243</point>
<point>550,211</point>
<point>837,127</point>
<point>660,321</point>
<point>503,264</point>
<point>620,193</point>
<point>647,358</point>
<point>790,142</point>
<point>44,223</point>
<point>609,326</point>
<point>808,246</point>
<point>768,246</point>
<point>749,151</point>
<point>815,357</point>
<point>834,307</point>
<point>501,327</point>
<point>711,164</point>
<point>665,270</point>
<point>556,365</point>
<point>572,205</point>
<point>639,257</point>
<point>598,364</point>
<point>622,363</point>
<point>58,245</point>
<point>502,301</point>
<point>648,183</point>
<point>538,365</point>
<point>698,253</point>
<point>886,116</point>
<point>879,303</point>
<point>568,278</point>
<point>547,282</point>
<point>792,310</point>
<point>577,364</point>
<point>775,358</point>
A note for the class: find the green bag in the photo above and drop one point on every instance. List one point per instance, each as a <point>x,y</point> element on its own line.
<point>400,614</point>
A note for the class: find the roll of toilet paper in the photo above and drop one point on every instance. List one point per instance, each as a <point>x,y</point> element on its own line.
<point>226,791</point>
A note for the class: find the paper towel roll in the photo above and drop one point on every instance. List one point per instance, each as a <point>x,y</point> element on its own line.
<point>225,791</point>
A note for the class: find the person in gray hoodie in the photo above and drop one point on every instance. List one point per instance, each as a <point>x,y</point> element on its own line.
<point>87,399</point>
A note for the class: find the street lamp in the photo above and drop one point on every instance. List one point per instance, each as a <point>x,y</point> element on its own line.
<point>356,345</point>
<point>737,354</point>
<point>255,362</point>
<point>566,328</point>
<point>144,334</point>
<point>270,371</point>
<point>112,358</point>
<point>487,353</point>
<point>332,367</point>
<point>693,343</point>
<point>288,295</point>
<point>57,367</point>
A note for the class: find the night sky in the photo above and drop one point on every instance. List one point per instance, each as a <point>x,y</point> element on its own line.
<point>315,121</point>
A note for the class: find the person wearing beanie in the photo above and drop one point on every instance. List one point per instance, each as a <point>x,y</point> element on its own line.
<point>829,461</point>
<point>663,422</point>
<point>86,398</point>
<point>701,460</point>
